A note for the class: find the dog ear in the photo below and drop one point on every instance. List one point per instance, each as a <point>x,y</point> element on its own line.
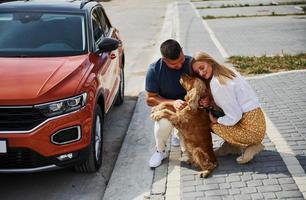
<point>193,99</point>
<point>186,76</point>
<point>187,81</point>
<point>201,86</point>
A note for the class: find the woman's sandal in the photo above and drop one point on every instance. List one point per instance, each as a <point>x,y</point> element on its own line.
<point>249,153</point>
<point>227,149</point>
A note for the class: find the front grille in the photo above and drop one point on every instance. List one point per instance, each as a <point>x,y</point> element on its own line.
<point>19,118</point>
<point>20,158</point>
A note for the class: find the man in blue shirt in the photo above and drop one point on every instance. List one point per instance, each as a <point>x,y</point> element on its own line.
<point>162,85</point>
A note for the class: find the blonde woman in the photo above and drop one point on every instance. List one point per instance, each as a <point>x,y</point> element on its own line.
<point>243,125</point>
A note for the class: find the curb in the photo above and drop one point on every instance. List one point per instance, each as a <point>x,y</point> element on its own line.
<point>131,177</point>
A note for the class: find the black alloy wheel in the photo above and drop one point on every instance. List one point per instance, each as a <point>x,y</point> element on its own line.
<point>94,160</point>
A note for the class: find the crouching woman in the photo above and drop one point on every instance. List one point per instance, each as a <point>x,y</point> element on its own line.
<point>243,126</point>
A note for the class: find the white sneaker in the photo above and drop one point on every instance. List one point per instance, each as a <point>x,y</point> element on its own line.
<point>157,159</point>
<point>175,141</point>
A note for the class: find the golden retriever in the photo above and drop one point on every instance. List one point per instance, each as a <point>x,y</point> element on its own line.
<point>193,125</point>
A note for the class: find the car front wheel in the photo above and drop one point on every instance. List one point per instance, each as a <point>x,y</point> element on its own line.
<point>94,160</point>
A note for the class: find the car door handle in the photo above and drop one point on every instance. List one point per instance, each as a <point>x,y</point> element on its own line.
<point>113,56</point>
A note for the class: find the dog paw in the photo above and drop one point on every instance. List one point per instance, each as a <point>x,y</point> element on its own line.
<point>157,108</point>
<point>204,174</point>
<point>155,116</point>
<point>154,109</point>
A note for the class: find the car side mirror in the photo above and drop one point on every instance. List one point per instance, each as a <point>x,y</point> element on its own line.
<point>107,45</point>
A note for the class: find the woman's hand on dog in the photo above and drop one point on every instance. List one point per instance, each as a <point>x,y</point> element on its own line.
<point>204,102</point>
<point>179,104</point>
<point>212,118</point>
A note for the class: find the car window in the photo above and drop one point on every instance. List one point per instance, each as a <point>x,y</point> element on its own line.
<point>97,27</point>
<point>100,24</point>
<point>104,21</point>
<point>42,34</point>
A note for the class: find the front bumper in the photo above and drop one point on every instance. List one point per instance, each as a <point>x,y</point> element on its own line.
<point>22,160</point>
<point>34,151</point>
<point>30,170</point>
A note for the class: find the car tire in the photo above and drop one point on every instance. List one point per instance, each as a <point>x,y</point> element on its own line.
<point>120,93</point>
<point>94,160</point>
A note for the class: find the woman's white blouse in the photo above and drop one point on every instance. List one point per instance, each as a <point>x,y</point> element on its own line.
<point>235,98</point>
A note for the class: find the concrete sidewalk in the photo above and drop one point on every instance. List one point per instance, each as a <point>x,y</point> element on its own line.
<point>276,173</point>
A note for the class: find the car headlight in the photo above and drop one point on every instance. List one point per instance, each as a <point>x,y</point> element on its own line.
<point>62,106</point>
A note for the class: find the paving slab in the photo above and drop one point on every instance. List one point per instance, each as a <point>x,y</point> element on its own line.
<point>286,93</point>
<point>231,180</point>
<point>277,172</point>
<point>261,36</point>
<point>267,176</point>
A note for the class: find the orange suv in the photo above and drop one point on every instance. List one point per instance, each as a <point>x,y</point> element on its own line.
<point>61,69</point>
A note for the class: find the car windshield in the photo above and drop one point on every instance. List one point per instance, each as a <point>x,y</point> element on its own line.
<point>30,34</point>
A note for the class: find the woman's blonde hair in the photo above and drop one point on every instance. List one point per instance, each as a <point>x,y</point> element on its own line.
<point>221,72</point>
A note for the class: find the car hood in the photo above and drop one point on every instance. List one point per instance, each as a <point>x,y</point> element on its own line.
<point>26,81</point>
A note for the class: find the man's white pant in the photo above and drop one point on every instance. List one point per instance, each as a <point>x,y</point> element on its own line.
<point>162,130</point>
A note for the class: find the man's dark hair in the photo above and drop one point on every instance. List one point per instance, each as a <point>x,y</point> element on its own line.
<point>170,49</point>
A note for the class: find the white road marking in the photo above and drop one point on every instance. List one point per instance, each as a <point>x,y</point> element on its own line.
<point>298,8</point>
<point>288,156</point>
<point>211,34</point>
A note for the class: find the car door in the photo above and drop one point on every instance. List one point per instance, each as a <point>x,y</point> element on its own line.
<point>109,73</point>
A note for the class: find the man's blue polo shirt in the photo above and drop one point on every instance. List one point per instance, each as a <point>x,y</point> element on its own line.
<point>164,81</point>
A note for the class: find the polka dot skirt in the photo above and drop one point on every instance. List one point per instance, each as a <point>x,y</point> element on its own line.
<point>248,131</point>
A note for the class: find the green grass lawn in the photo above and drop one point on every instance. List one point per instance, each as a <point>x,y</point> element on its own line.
<point>252,65</point>
<point>273,14</point>
<point>253,5</point>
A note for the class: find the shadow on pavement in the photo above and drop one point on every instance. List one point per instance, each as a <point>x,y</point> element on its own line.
<point>267,162</point>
